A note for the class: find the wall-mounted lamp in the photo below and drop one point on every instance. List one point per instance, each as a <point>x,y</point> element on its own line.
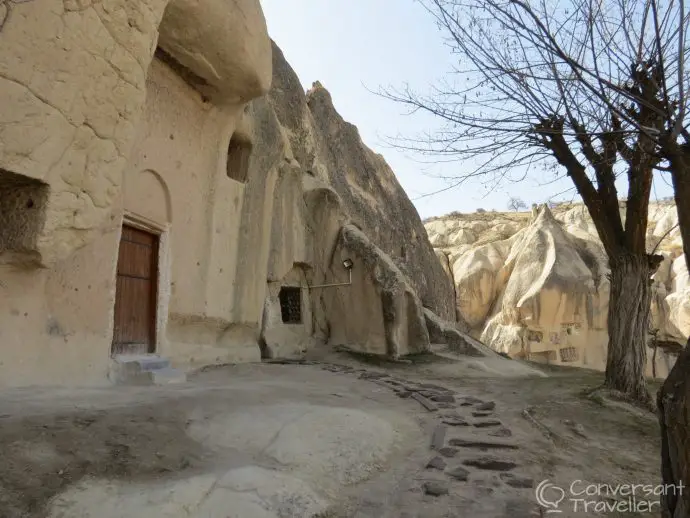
<point>347,264</point>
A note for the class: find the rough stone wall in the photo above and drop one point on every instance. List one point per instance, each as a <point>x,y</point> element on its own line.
<point>73,77</point>
<point>316,216</point>
<point>104,132</point>
<point>377,203</point>
<point>535,284</point>
<point>102,129</point>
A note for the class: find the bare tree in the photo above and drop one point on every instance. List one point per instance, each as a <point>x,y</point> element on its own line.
<point>515,204</point>
<point>583,86</point>
<point>599,86</point>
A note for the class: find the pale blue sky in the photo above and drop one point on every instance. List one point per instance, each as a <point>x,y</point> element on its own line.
<point>352,45</point>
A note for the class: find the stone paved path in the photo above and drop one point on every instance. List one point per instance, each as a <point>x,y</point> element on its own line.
<point>469,435</point>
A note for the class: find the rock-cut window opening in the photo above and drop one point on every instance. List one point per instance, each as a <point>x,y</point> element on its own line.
<point>239,153</point>
<point>291,304</point>
<point>23,202</point>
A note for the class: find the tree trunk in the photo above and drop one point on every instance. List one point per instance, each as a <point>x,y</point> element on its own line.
<point>628,323</point>
<point>673,402</point>
<point>673,399</point>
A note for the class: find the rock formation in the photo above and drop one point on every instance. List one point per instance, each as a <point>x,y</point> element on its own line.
<point>534,285</point>
<point>377,204</point>
<point>334,199</point>
<point>170,196</point>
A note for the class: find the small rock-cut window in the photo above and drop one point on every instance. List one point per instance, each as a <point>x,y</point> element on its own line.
<point>239,153</point>
<point>291,305</point>
<point>569,354</point>
<point>23,203</point>
<point>535,336</point>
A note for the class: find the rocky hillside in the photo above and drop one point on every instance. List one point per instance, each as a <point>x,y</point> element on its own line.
<point>330,149</point>
<point>318,197</point>
<point>534,284</point>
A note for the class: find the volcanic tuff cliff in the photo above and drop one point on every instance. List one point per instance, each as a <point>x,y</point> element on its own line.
<point>181,123</point>
<point>330,198</point>
<point>371,195</point>
<point>535,284</point>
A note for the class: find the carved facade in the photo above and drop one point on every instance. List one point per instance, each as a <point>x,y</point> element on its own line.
<point>154,200</point>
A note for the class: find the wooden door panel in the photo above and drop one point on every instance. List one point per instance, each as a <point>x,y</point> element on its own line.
<point>135,235</point>
<point>134,329</point>
<point>133,311</point>
<point>135,260</point>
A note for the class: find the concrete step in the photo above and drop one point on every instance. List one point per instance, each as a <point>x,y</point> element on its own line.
<point>144,369</point>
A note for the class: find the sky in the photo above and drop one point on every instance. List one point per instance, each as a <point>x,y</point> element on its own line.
<point>354,47</point>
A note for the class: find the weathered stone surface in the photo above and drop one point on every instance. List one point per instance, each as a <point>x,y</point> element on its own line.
<point>373,198</point>
<point>501,432</point>
<point>443,398</point>
<point>371,375</point>
<point>454,335</point>
<point>431,386</point>
<point>458,473</point>
<point>490,464</point>
<point>517,481</point>
<point>436,463</point>
<point>455,421</point>
<point>448,452</point>
<point>430,406</point>
<point>486,407</point>
<point>482,444</point>
<point>438,437</point>
<point>577,428</point>
<point>513,270</point>
<point>79,89</point>
<point>312,232</point>
<point>487,424</point>
<point>97,130</point>
<point>404,327</point>
<point>470,401</point>
<point>435,487</point>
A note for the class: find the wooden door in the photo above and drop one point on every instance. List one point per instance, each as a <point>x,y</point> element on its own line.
<point>134,330</point>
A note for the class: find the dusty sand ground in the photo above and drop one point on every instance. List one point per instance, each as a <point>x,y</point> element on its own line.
<point>316,440</point>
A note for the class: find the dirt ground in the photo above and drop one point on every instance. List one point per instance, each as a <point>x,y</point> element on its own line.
<point>55,442</point>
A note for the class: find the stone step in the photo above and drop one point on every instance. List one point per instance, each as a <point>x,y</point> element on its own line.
<point>483,444</point>
<point>143,369</point>
<point>167,376</point>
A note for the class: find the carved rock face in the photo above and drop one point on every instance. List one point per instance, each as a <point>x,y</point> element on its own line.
<point>73,76</point>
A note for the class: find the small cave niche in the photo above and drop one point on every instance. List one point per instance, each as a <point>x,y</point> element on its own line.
<point>291,304</point>
<point>239,154</point>
<point>535,336</point>
<point>23,203</point>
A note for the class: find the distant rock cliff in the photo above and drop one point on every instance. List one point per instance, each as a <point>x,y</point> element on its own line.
<point>535,285</point>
